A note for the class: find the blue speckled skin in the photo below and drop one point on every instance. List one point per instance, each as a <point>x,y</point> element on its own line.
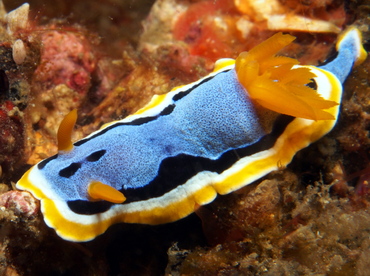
<point>208,121</point>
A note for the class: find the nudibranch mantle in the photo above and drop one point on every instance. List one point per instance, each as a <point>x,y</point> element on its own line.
<point>183,148</point>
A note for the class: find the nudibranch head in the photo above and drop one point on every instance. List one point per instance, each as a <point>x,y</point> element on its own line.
<point>277,83</point>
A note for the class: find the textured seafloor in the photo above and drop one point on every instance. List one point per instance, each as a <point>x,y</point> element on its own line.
<point>107,58</point>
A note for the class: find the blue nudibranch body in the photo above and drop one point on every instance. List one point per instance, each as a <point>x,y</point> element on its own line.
<point>242,121</point>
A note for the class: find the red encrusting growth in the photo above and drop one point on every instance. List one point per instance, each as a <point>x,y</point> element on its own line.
<point>198,27</point>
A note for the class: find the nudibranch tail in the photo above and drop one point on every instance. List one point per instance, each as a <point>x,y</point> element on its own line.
<point>101,191</point>
<point>277,83</point>
<point>350,53</point>
<point>65,131</point>
<point>352,33</point>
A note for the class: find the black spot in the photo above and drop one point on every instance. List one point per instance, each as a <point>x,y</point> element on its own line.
<point>70,170</point>
<point>167,110</point>
<point>95,156</point>
<point>312,84</point>
<point>43,163</point>
<point>182,94</point>
<point>89,207</point>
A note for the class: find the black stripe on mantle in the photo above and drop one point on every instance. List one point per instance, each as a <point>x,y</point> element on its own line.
<point>175,171</point>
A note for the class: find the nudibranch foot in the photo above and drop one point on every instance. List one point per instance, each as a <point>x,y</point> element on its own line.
<point>245,119</point>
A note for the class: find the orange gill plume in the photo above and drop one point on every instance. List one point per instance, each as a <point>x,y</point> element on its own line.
<point>277,83</point>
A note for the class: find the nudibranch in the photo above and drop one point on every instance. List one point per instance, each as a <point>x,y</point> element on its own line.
<point>245,119</point>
